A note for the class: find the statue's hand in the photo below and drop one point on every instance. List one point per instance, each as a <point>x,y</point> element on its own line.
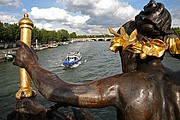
<point>24,56</point>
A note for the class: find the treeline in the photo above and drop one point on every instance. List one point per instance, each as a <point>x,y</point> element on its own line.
<point>10,33</point>
<point>176,31</point>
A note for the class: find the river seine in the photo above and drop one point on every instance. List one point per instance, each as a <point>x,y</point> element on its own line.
<point>97,62</point>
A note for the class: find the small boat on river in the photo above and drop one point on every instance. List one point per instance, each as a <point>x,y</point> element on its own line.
<point>73,59</point>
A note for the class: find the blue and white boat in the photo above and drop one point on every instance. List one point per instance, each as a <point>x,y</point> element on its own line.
<point>73,59</point>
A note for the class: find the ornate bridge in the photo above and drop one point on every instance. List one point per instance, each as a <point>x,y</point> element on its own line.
<point>91,39</point>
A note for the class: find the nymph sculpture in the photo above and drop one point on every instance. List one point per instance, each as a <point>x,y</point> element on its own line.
<point>147,90</point>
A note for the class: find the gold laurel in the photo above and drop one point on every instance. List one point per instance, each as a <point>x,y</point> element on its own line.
<point>154,47</point>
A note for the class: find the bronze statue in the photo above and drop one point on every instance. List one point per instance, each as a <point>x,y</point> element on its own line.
<point>150,37</point>
<point>145,91</point>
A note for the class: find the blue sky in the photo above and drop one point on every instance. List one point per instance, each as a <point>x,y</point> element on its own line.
<point>80,16</point>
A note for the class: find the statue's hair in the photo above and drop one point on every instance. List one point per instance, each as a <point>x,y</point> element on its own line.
<point>157,14</point>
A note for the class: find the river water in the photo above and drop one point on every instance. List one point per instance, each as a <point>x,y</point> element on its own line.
<point>97,62</point>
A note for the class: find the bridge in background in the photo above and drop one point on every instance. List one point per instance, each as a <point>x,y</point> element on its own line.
<point>91,39</point>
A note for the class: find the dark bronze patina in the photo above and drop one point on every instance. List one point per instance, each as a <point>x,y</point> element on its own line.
<point>150,93</point>
<point>145,91</point>
<point>154,22</point>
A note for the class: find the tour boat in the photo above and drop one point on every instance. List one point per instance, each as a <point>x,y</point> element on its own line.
<point>73,59</point>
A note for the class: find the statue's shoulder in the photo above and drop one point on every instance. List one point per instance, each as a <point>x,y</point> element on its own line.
<point>130,23</point>
<point>128,26</point>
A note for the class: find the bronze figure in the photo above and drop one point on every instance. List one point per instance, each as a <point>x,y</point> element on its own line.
<point>145,91</point>
<point>153,26</point>
<point>149,93</point>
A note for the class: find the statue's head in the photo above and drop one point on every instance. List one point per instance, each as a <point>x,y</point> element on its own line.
<point>155,19</point>
<point>149,7</point>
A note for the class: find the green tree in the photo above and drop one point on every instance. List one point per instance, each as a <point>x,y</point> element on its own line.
<point>176,31</point>
<point>2,32</point>
<point>59,36</point>
<point>72,35</point>
<point>64,35</point>
<point>44,35</point>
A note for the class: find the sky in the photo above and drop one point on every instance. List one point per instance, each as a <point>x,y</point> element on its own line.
<point>91,17</point>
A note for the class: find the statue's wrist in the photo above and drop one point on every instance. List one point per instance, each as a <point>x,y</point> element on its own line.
<point>31,66</point>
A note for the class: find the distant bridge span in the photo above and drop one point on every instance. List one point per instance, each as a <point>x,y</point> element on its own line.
<point>91,39</point>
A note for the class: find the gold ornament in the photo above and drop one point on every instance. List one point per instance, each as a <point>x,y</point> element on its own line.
<point>174,45</point>
<point>122,39</point>
<point>25,90</point>
<point>144,47</point>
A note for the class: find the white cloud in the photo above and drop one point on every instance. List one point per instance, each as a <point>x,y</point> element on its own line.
<point>77,20</point>
<point>8,19</point>
<point>46,26</point>
<point>48,14</point>
<point>24,10</point>
<point>94,29</point>
<point>175,22</point>
<point>11,3</point>
<point>87,16</point>
<point>104,4</point>
<point>126,11</point>
<point>175,14</point>
<point>107,13</point>
<point>57,14</point>
<point>82,16</point>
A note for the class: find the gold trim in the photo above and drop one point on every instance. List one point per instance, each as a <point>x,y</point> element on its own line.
<point>144,47</point>
<point>122,39</point>
<point>174,45</point>
<point>25,90</point>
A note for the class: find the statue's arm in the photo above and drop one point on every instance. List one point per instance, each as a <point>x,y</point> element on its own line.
<point>85,94</point>
<point>99,93</point>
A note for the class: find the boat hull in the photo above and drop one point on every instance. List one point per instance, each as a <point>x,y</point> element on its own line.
<point>72,65</point>
<point>73,59</point>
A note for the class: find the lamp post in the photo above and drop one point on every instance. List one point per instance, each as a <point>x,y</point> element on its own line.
<point>25,90</point>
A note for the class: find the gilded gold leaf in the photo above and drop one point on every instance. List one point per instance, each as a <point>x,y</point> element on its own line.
<point>174,45</point>
<point>133,36</point>
<point>113,32</point>
<point>124,34</point>
<point>145,46</point>
<point>178,44</point>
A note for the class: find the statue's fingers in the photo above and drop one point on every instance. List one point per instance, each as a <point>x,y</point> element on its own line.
<point>17,62</point>
<point>14,55</point>
<point>23,48</point>
<point>21,44</point>
<point>18,43</point>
